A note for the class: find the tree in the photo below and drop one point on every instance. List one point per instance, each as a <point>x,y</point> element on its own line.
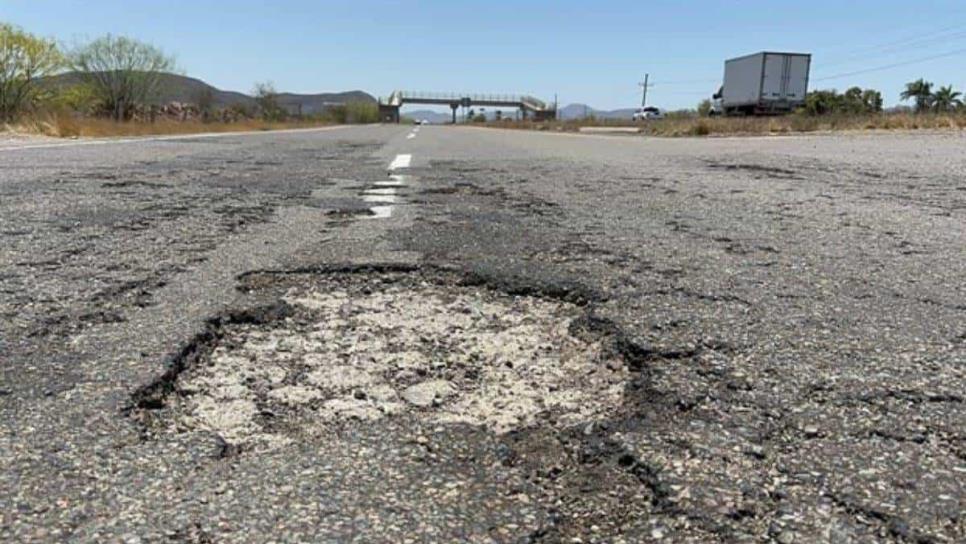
<point>822,102</point>
<point>704,108</point>
<point>872,100</point>
<point>362,112</point>
<point>945,99</point>
<point>266,99</point>
<point>920,91</point>
<point>75,98</point>
<point>124,73</point>
<point>854,101</point>
<point>24,58</point>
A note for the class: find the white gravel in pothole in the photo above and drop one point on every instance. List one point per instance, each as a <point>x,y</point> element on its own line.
<point>441,354</point>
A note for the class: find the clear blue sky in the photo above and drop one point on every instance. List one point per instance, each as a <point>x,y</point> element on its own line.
<point>591,52</point>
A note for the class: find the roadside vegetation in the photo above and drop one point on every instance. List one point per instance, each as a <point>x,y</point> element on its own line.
<point>738,126</point>
<point>933,108</point>
<point>113,89</point>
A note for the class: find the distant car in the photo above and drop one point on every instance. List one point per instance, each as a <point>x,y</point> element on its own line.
<point>647,113</point>
<point>424,121</point>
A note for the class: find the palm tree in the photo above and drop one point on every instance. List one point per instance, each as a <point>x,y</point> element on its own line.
<point>921,91</point>
<point>946,99</point>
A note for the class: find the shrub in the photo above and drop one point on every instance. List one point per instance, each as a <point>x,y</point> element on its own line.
<point>854,101</point>
<point>362,112</point>
<point>266,100</point>
<point>79,98</point>
<point>701,128</point>
<point>352,113</point>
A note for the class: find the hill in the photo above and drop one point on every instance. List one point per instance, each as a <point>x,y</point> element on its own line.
<point>434,117</point>
<point>178,88</point>
<point>579,111</point>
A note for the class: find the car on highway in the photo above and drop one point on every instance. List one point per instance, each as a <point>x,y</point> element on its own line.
<point>650,112</point>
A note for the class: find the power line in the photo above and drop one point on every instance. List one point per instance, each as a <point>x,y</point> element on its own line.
<point>683,82</point>
<point>900,46</point>
<point>893,65</point>
<point>852,50</point>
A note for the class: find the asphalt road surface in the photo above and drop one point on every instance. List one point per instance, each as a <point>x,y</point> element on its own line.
<point>381,334</point>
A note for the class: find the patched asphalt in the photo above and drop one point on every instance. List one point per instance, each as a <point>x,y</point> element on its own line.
<point>782,319</point>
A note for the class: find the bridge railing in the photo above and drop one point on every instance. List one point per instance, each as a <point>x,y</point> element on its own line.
<point>456,97</point>
<point>529,101</point>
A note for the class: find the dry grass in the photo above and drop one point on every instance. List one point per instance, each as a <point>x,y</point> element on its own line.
<point>745,126</point>
<point>68,126</point>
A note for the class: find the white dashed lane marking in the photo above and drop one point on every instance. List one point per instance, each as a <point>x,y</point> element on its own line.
<point>401,161</point>
<point>385,192</point>
<point>381,212</point>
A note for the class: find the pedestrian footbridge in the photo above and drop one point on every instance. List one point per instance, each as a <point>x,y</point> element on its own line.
<point>528,105</point>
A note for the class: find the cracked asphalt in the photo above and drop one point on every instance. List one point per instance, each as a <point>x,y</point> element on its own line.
<point>784,320</point>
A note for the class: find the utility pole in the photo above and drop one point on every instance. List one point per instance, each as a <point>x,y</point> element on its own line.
<point>644,90</point>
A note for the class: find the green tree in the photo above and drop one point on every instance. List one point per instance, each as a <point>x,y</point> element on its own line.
<point>946,99</point>
<point>362,112</point>
<point>266,99</point>
<point>78,98</point>
<point>704,108</point>
<point>851,101</point>
<point>24,58</point>
<point>823,102</point>
<point>920,91</point>
<point>123,72</point>
<point>854,101</point>
<point>872,100</point>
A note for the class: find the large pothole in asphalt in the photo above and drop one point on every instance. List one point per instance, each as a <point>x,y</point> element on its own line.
<point>363,347</point>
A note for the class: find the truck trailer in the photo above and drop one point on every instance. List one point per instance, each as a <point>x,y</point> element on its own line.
<point>765,83</point>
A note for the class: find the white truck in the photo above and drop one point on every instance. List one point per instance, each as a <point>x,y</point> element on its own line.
<point>765,83</point>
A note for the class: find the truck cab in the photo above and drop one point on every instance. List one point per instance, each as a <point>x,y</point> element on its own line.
<point>717,103</point>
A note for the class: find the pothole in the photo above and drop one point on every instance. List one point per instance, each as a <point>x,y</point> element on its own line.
<point>363,347</point>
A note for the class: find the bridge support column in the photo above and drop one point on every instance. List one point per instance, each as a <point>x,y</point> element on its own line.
<point>388,114</point>
<point>454,107</point>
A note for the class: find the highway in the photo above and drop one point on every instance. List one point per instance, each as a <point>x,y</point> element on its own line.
<point>411,334</point>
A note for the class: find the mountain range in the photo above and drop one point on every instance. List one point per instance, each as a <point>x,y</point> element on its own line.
<point>579,111</point>
<point>178,88</point>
